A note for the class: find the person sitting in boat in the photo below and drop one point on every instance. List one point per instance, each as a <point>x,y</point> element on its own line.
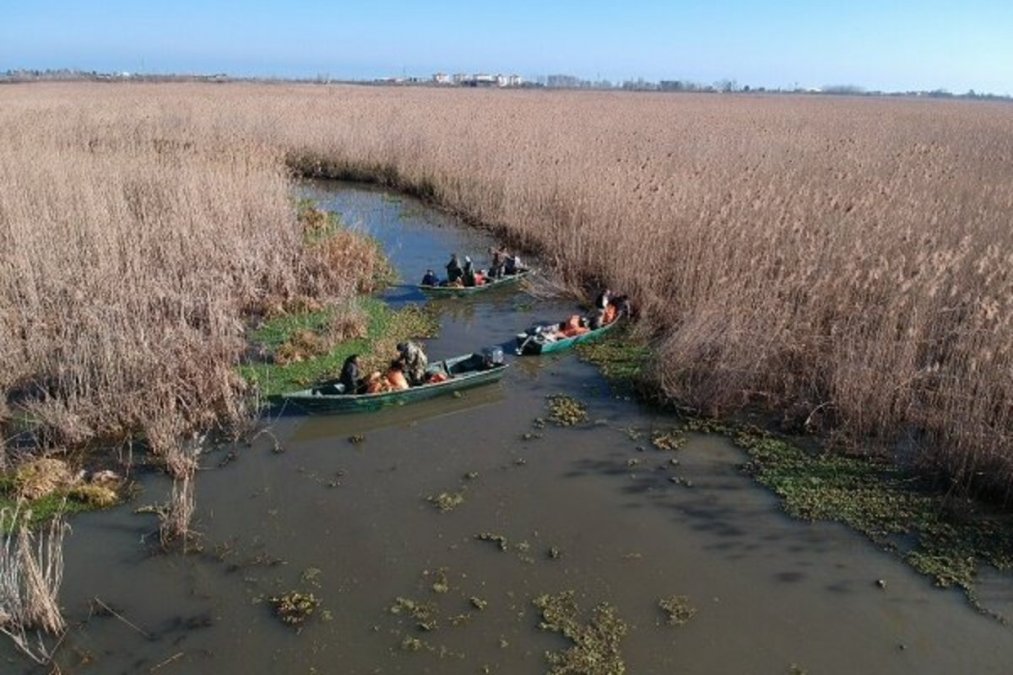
<point>430,279</point>
<point>351,378</point>
<point>574,326</point>
<point>469,272</point>
<point>513,264</point>
<point>396,379</point>
<point>454,271</point>
<point>414,362</point>
<point>481,278</point>
<point>622,305</point>
<point>376,383</point>
<point>498,262</point>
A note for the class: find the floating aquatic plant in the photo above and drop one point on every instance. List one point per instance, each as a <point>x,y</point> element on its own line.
<point>446,501</point>
<point>566,411</point>
<point>595,649</point>
<point>678,609</point>
<point>293,608</point>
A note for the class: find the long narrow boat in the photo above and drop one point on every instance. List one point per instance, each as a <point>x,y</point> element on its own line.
<point>496,282</point>
<point>536,340</point>
<point>463,372</point>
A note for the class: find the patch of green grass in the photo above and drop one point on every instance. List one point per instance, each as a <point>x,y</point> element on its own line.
<point>386,327</point>
<point>41,510</point>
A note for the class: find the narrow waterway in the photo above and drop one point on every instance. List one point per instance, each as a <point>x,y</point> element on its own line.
<point>591,509</point>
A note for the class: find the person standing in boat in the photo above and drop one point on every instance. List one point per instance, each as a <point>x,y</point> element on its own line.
<point>496,266</point>
<point>469,272</point>
<point>601,304</point>
<point>351,378</point>
<point>430,279</point>
<point>414,362</point>
<point>454,271</point>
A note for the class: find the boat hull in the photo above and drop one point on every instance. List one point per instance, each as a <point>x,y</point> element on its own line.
<point>454,291</point>
<point>313,400</point>
<point>530,346</point>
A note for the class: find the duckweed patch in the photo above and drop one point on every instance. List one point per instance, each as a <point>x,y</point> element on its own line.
<point>423,613</point>
<point>498,539</point>
<point>940,536</point>
<point>446,501</point>
<point>595,649</point>
<point>566,411</point>
<point>294,608</point>
<point>677,610</point>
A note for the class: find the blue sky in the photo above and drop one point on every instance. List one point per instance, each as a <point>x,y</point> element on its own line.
<point>881,44</point>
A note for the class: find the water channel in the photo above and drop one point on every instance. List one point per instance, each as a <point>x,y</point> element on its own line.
<point>350,522</point>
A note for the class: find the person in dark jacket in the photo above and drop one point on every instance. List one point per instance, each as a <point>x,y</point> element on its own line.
<point>497,263</point>
<point>601,303</point>
<point>454,271</point>
<point>351,377</point>
<point>469,272</point>
<point>430,279</point>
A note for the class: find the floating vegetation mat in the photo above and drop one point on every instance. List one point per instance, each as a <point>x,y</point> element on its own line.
<point>566,411</point>
<point>424,613</point>
<point>677,609</point>
<point>595,649</point>
<point>446,501</point>
<point>293,608</point>
<point>497,539</point>
<point>668,440</point>
<point>937,534</point>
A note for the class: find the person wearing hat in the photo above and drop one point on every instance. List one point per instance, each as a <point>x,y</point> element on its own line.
<point>414,361</point>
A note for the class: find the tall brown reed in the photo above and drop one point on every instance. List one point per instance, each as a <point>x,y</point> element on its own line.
<point>31,573</point>
<point>837,261</point>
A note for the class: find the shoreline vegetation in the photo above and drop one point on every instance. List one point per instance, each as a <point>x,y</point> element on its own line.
<point>842,266</point>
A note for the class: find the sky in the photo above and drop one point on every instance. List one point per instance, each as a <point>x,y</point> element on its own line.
<point>875,44</point>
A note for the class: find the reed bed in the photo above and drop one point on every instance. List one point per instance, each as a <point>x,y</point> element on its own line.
<point>843,263</point>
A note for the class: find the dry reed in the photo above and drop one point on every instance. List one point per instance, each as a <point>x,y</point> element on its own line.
<point>844,262</point>
<point>31,573</point>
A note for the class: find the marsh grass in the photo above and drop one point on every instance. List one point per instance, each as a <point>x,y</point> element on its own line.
<point>31,572</point>
<point>843,264</point>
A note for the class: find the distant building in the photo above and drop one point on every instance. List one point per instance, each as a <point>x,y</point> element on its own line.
<point>562,81</point>
<point>442,78</point>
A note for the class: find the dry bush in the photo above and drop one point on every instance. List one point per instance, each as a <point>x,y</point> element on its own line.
<point>850,256</point>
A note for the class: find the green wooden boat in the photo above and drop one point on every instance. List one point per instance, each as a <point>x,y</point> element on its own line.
<point>454,291</point>
<point>535,341</point>
<point>469,370</point>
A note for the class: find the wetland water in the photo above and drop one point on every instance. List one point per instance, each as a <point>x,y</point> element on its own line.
<point>351,523</point>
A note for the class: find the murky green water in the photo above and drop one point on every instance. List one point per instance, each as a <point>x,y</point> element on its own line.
<point>351,523</point>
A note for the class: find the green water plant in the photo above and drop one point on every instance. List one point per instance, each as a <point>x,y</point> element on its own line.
<point>566,411</point>
<point>677,610</point>
<point>595,649</point>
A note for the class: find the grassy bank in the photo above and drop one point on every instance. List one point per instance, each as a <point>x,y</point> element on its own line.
<point>384,328</point>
